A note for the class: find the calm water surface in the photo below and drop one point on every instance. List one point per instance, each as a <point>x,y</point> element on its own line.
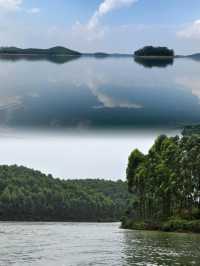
<point>98,93</point>
<point>84,244</point>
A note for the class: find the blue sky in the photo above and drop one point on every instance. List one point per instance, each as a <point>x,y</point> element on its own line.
<point>101,25</point>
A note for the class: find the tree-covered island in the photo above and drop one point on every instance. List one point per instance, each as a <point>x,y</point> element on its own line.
<point>150,51</point>
<point>165,185</point>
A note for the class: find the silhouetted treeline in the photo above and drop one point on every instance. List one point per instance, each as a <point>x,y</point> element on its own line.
<point>26,194</point>
<point>57,50</point>
<point>154,51</point>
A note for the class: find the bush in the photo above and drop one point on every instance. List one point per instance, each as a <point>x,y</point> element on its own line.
<point>181,225</point>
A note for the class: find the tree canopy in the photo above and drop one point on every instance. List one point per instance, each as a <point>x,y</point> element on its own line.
<point>26,194</point>
<point>154,51</point>
<point>166,181</point>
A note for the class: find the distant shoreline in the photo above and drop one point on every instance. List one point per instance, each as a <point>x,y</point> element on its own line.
<point>60,51</point>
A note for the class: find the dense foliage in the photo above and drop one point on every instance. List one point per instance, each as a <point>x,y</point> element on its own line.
<point>154,51</point>
<point>191,130</point>
<point>166,181</point>
<point>58,50</point>
<point>26,194</point>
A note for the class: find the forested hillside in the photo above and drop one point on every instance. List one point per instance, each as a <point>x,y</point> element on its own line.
<point>57,50</point>
<point>26,194</point>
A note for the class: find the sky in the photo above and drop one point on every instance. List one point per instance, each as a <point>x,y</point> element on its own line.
<point>75,156</point>
<point>101,25</point>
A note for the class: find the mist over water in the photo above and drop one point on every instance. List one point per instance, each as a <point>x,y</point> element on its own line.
<point>83,154</point>
<point>56,112</point>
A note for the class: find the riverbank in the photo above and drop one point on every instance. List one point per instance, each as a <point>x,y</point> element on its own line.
<point>171,225</point>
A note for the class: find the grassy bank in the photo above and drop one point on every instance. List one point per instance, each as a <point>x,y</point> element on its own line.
<point>171,225</point>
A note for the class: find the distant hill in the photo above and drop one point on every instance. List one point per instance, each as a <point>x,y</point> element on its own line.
<point>194,56</point>
<point>104,55</point>
<point>154,52</point>
<point>29,195</point>
<point>99,54</point>
<point>58,50</point>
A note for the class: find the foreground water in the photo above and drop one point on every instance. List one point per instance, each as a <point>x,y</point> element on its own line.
<point>88,244</point>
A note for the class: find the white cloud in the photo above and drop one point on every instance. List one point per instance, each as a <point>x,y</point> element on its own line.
<point>10,5</point>
<point>191,31</point>
<point>87,32</point>
<point>109,101</point>
<point>93,30</point>
<point>34,10</point>
<point>192,83</point>
<point>105,7</point>
<point>14,5</point>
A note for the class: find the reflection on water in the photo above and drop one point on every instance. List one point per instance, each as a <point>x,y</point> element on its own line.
<point>76,244</point>
<point>154,62</point>
<point>158,248</point>
<point>91,93</point>
<point>30,58</point>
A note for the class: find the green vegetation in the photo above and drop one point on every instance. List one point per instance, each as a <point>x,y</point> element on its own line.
<point>191,130</point>
<point>58,50</point>
<point>166,185</point>
<point>28,195</point>
<point>154,51</point>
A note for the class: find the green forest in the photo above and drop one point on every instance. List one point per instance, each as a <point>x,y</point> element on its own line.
<point>29,195</point>
<point>165,185</point>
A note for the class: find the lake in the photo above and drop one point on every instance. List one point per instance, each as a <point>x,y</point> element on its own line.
<point>88,93</point>
<point>93,244</point>
<point>57,111</point>
<point>80,118</point>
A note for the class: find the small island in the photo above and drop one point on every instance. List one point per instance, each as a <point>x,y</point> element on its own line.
<point>150,51</point>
